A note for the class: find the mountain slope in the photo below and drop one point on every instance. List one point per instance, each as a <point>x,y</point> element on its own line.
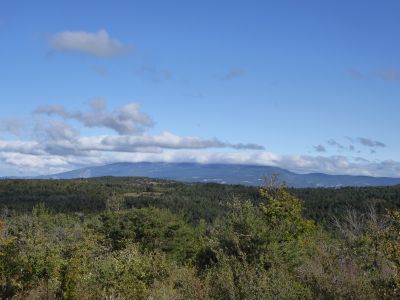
<point>224,173</point>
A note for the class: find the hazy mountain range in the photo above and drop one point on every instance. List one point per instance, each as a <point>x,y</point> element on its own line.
<point>223,173</point>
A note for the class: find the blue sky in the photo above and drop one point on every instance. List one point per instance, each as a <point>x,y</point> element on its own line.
<point>305,85</point>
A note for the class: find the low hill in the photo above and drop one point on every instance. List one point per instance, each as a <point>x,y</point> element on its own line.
<point>223,173</point>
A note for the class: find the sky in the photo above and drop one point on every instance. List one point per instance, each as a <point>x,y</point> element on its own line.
<point>309,86</point>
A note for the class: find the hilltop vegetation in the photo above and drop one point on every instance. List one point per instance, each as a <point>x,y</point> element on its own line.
<point>138,238</point>
<point>195,200</point>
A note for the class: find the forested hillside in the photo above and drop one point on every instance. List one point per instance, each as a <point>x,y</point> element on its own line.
<point>195,200</point>
<point>139,238</point>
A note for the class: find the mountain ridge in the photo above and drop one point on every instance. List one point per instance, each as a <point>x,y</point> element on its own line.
<point>222,173</point>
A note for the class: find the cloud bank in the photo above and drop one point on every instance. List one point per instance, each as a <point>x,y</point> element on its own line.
<point>54,143</point>
<point>29,156</point>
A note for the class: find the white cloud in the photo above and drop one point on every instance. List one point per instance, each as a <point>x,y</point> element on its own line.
<point>55,146</point>
<point>43,163</point>
<point>97,44</point>
<point>56,131</point>
<point>127,119</point>
<point>171,141</point>
<point>34,162</point>
<point>24,147</point>
<point>59,140</point>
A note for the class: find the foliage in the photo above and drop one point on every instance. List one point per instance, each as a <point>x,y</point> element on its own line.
<point>154,229</point>
<point>136,238</point>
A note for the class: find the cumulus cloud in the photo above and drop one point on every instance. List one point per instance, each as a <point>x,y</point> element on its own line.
<point>98,44</point>
<point>23,147</point>
<point>233,73</point>
<point>127,119</point>
<point>56,131</point>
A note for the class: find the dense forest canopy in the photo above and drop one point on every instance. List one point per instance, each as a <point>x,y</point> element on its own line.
<point>196,200</point>
<point>140,238</point>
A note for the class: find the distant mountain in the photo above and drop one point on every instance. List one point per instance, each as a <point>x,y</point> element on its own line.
<point>14,177</point>
<point>223,173</point>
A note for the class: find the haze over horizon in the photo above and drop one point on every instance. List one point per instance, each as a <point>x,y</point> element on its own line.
<point>307,86</point>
